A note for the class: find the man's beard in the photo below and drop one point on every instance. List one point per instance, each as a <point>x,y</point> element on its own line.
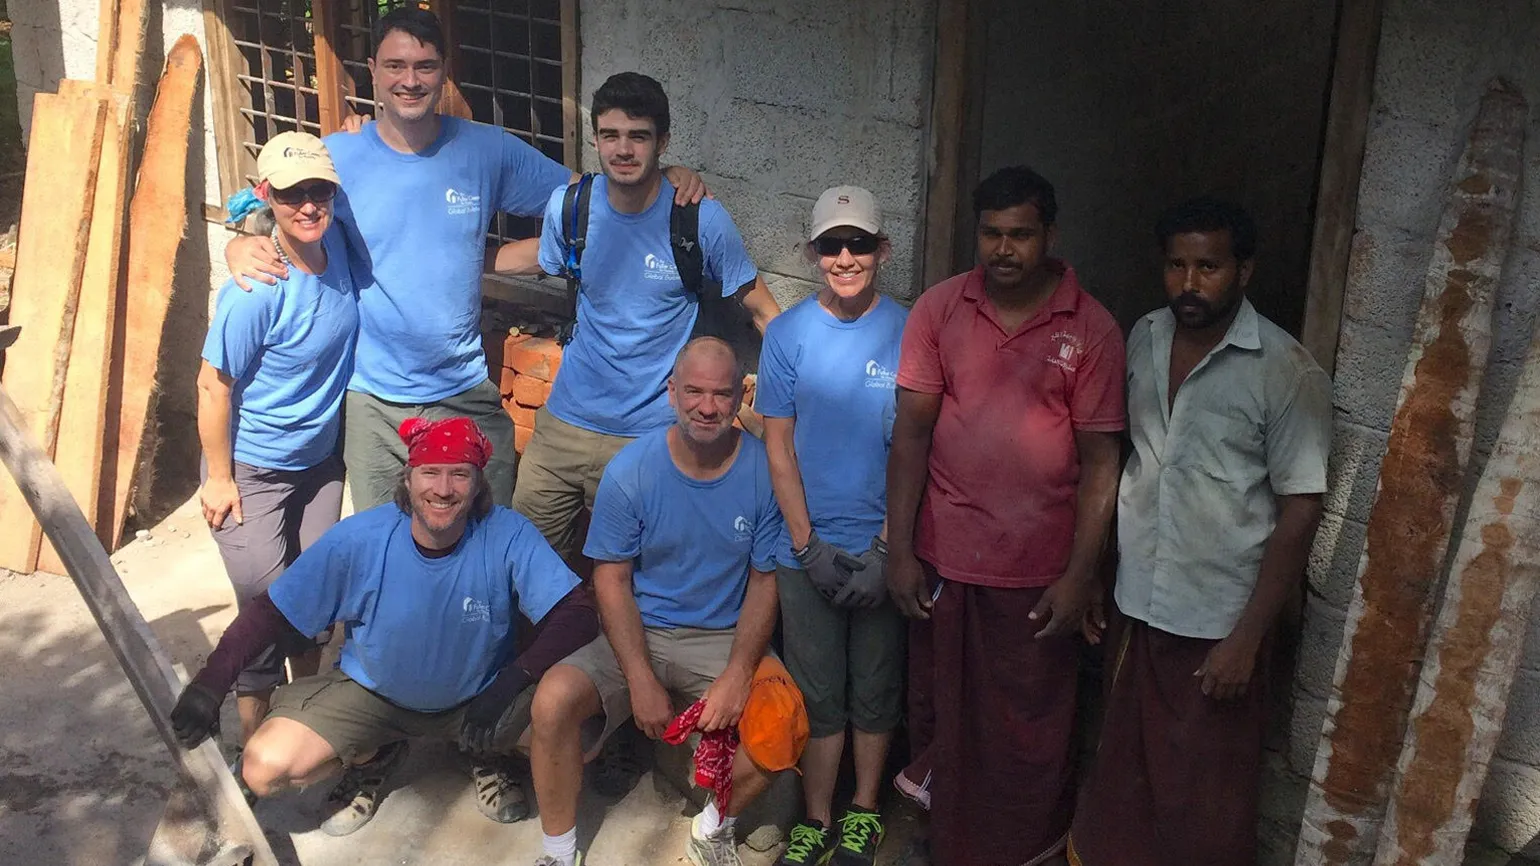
<point>1192,311</point>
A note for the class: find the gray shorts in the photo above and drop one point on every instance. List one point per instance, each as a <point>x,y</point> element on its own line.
<point>285,512</point>
<point>559,477</point>
<point>685,660</point>
<point>374,452</point>
<point>355,721</point>
<point>848,662</point>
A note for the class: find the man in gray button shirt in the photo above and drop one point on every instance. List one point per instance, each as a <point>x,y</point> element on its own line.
<point>1231,426</point>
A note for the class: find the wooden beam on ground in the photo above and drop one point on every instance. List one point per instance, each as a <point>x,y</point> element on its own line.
<point>947,113</point>
<point>50,258</point>
<point>157,216</point>
<point>129,637</point>
<point>117,58</point>
<point>1342,159</point>
<point>78,450</point>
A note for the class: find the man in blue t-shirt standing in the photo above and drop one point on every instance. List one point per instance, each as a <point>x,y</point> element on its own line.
<point>684,538</point>
<point>419,191</point>
<point>634,312</point>
<point>429,589</point>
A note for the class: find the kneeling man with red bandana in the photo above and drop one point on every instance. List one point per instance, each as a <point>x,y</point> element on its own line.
<point>429,589</point>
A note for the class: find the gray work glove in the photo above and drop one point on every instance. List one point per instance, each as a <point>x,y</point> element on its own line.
<point>867,586</point>
<point>828,567</point>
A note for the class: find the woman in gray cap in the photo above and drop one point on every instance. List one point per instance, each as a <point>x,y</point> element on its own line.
<point>826,390</point>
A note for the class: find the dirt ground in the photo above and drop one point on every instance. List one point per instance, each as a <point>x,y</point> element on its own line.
<point>83,776</point>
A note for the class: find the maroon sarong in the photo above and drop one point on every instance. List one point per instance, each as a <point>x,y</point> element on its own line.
<point>993,716</point>
<point>1175,779</point>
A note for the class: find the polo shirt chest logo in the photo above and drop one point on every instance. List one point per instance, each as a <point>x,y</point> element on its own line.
<point>655,267</point>
<point>741,528</point>
<point>461,202</point>
<point>475,611</point>
<point>1068,349</point>
<point>878,376</point>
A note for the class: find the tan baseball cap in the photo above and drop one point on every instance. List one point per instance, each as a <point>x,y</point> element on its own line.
<point>290,158</point>
<point>846,206</point>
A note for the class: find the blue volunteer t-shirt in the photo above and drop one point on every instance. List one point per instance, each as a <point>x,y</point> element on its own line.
<point>691,543</point>
<point>837,380</point>
<point>289,348</point>
<point>416,227</point>
<point>426,634</point>
<point>634,313</point>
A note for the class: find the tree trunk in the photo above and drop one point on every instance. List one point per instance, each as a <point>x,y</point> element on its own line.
<point>1420,482</point>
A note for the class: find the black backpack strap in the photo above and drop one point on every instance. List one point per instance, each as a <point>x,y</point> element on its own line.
<point>684,237</point>
<point>574,233</point>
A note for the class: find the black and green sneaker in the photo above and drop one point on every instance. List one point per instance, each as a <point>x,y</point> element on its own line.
<point>860,834</point>
<point>811,844</point>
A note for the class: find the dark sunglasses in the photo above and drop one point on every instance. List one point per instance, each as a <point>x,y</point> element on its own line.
<point>320,193</point>
<point>859,245</point>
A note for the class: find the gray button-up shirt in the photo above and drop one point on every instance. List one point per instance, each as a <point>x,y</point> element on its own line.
<point>1197,501</point>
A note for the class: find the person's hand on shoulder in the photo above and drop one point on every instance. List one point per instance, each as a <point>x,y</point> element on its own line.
<point>255,259</point>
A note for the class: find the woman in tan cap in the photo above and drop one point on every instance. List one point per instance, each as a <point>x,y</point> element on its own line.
<point>275,367</point>
<point>826,389</point>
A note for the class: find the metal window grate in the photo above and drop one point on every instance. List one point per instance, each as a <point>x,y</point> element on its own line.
<point>276,72</point>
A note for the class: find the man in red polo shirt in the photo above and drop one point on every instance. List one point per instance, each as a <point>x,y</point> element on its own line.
<point>1001,484</point>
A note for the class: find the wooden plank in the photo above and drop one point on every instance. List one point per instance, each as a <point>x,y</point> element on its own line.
<point>148,667</point>
<point>128,44</point>
<point>328,67</point>
<point>946,121</point>
<point>50,257</point>
<point>228,98</point>
<point>157,216</point>
<point>106,39</point>
<point>1336,203</point>
<point>571,95</point>
<point>78,451</point>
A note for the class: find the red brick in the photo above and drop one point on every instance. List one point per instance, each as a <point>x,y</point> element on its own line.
<point>520,414</point>
<point>505,382</point>
<point>529,391</point>
<point>533,356</point>
<point>521,437</point>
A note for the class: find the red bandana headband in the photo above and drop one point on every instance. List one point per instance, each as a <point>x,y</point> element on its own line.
<point>452,440</point>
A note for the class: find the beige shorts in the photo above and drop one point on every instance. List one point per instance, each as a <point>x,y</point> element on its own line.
<point>685,660</point>
<point>355,721</point>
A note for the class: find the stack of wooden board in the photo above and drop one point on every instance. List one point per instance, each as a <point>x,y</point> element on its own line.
<point>82,371</point>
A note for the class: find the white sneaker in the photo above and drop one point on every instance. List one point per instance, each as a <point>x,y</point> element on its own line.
<point>718,849</point>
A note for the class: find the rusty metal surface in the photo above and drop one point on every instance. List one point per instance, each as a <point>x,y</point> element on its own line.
<point>1421,479</point>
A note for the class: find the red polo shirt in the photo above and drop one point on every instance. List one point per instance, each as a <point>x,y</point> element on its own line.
<point>999,507</point>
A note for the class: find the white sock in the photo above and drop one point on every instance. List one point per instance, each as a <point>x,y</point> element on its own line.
<point>712,821</point>
<point>563,847</point>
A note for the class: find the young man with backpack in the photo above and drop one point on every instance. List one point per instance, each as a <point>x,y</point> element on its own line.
<point>641,274</point>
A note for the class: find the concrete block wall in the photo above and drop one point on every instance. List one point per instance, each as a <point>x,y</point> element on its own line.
<point>775,102</point>
<point>1434,63</point>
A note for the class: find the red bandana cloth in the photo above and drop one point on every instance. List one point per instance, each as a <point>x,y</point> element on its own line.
<point>451,440</point>
<point>714,755</point>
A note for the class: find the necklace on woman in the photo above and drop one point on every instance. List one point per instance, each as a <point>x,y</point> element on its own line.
<point>282,256</point>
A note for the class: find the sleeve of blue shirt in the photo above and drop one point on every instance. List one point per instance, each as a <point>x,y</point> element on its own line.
<point>528,177</point>
<point>239,328</point>
<point>727,259</point>
<point>540,577</point>
<point>318,589</point>
<point>769,526</point>
<point>775,394</point>
<point>615,530</point>
<point>552,256</point>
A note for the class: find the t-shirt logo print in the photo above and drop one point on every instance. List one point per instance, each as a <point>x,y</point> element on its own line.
<point>1070,350</point>
<point>878,376</point>
<point>655,267</point>
<point>461,202</point>
<point>475,611</point>
<point>741,528</point>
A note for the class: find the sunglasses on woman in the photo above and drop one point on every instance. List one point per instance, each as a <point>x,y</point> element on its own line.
<point>859,245</point>
<point>319,192</point>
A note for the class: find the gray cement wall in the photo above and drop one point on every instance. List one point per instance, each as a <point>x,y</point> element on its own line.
<point>1435,60</point>
<point>54,39</point>
<point>775,102</point>
<point>1128,113</point>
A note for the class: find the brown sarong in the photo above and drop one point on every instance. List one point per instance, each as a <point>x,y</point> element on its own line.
<point>1175,781</point>
<point>993,718</point>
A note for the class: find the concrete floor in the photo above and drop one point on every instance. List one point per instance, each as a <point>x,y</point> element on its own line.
<point>83,778</point>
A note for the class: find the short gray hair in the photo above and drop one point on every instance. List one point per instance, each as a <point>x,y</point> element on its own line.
<point>700,342</point>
